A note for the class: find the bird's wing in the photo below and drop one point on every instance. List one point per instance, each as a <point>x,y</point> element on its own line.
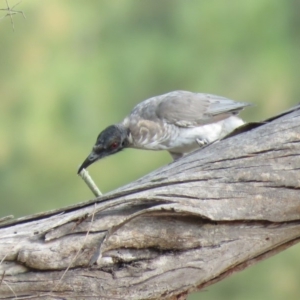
<point>187,109</point>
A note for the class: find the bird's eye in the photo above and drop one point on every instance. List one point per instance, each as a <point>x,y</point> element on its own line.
<point>114,145</point>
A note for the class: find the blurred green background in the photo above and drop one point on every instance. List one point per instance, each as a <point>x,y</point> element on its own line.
<point>74,67</point>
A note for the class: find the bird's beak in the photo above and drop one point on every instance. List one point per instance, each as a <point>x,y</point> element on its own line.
<point>89,160</point>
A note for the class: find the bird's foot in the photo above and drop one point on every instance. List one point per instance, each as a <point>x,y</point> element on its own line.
<point>202,142</point>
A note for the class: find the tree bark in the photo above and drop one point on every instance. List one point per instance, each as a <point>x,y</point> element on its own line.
<point>174,231</point>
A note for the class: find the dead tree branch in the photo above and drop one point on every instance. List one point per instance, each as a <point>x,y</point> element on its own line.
<point>10,12</point>
<point>176,230</point>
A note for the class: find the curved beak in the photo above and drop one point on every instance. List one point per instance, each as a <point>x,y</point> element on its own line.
<point>88,161</point>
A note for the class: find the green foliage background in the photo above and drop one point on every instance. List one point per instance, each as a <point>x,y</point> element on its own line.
<point>74,67</point>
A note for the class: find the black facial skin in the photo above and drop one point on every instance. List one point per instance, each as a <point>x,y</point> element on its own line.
<point>110,141</point>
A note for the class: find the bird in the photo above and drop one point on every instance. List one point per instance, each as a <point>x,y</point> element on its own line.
<point>179,122</point>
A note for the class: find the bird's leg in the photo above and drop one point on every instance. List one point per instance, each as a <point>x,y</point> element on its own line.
<point>175,155</point>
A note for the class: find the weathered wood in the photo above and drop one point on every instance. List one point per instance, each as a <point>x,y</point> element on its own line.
<point>176,230</point>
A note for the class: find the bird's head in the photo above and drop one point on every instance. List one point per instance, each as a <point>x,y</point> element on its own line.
<point>110,141</point>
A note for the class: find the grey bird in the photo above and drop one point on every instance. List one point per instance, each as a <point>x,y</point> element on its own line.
<point>179,122</point>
